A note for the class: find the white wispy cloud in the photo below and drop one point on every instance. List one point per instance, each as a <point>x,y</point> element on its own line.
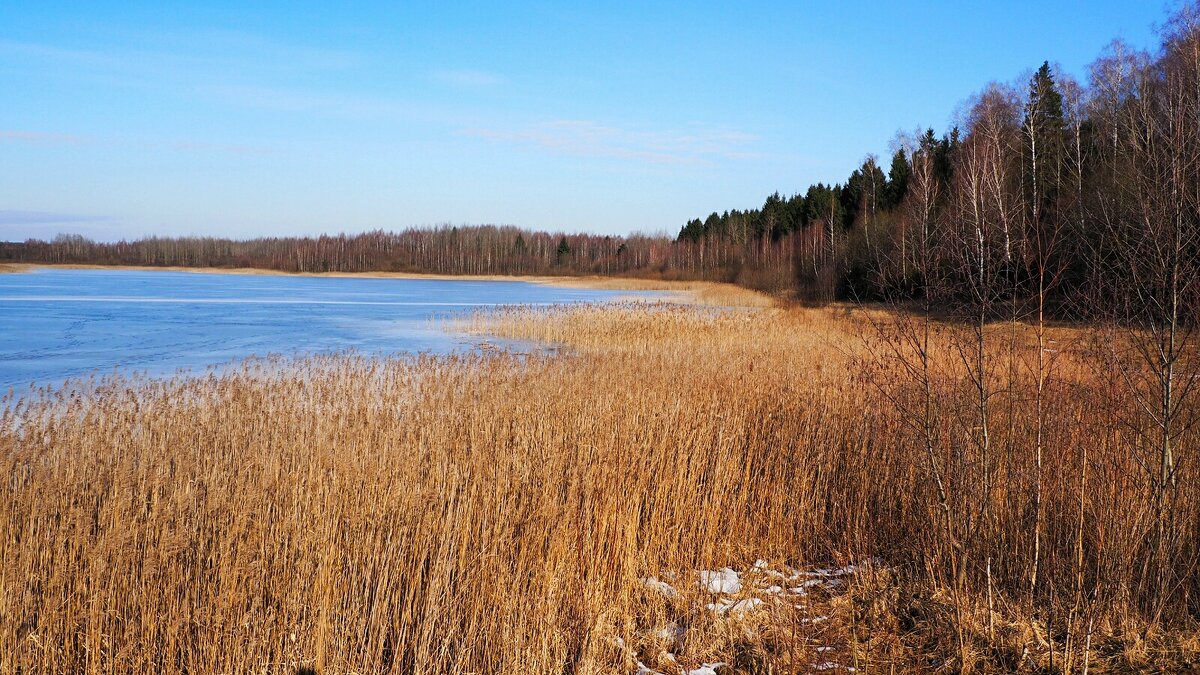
<point>19,217</point>
<point>51,138</point>
<point>42,137</point>
<point>241,70</point>
<point>589,138</point>
<point>298,100</point>
<point>219,147</point>
<point>468,78</point>
<point>246,48</point>
<point>192,54</point>
<point>79,58</point>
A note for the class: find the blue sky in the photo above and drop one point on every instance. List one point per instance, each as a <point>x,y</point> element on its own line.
<point>222,118</point>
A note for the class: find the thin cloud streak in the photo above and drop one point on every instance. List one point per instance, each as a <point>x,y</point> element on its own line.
<point>230,148</point>
<point>156,55</point>
<point>313,102</point>
<point>19,217</point>
<point>252,48</point>
<point>42,137</point>
<point>225,66</point>
<point>588,138</point>
<point>74,57</point>
<point>47,138</point>
<point>469,79</point>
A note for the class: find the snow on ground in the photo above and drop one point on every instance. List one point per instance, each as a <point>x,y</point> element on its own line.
<point>661,586</point>
<point>830,665</point>
<point>705,669</point>
<point>735,607</point>
<point>723,580</point>
<point>672,633</point>
<point>752,598</point>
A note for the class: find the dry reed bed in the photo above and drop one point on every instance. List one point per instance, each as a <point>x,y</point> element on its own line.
<point>490,514</point>
<point>1099,595</point>
<point>709,293</point>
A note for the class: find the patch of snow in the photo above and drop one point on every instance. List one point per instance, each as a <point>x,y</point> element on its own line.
<point>786,573</point>
<point>661,586</point>
<point>644,670</point>
<point>672,631</point>
<point>737,592</point>
<point>737,607</point>
<point>832,571</point>
<point>723,580</point>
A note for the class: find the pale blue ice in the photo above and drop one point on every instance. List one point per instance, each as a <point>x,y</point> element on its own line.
<point>57,324</point>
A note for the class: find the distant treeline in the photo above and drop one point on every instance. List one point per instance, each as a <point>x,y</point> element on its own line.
<point>1076,194</point>
<point>470,250</point>
<point>466,250</point>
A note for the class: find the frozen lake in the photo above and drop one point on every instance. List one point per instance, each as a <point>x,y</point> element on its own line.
<point>57,323</point>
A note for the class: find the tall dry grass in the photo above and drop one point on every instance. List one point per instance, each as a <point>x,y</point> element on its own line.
<point>498,513</point>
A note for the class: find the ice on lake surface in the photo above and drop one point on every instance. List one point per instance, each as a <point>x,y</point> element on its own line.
<point>57,323</point>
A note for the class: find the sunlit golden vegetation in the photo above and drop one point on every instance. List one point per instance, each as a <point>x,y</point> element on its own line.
<point>685,292</point>
<point>498,512</point>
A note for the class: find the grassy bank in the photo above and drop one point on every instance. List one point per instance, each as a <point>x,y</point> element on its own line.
<point>588,512</point>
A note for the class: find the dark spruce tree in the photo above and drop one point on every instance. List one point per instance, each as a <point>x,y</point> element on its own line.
<point>897,185</point>
<point>1045,149</point>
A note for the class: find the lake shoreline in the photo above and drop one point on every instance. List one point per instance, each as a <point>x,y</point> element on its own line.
<point>689,292</point>
<point>379,274</point>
